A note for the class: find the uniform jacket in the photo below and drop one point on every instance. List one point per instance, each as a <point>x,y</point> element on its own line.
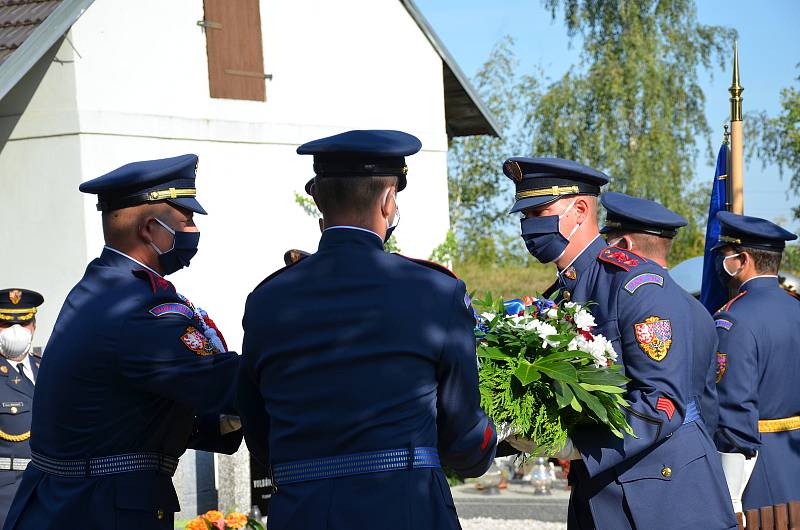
<point>123,372</point>
<point>16,402</point>
<point>758,363</point>
<point>354,350</point>
<point>669,476</point>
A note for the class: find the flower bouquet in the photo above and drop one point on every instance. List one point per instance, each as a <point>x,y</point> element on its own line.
<point>544,373</point>
<point>216,520</point>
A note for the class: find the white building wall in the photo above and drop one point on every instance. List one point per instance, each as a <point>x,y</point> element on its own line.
<point>41,217</point>
<point>141,92</point>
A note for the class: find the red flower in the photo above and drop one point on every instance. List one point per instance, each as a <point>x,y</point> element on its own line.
<point>586,334</point>
<point>527,300</point>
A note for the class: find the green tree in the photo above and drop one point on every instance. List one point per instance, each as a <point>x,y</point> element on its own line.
<point>777,140</point>
<point>633,106</point>
<point>479,192</point>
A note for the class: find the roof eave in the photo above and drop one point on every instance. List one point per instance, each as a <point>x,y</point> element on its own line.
<point>54,27</point>
<point>482,121</point>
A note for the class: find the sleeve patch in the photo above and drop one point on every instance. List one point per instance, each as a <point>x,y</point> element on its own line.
<point>666,406</point>
<point>195,341</point>
<point>724,324</point>
<point>467,300</point>
<point>172,309</point>
<point>644,279</point>
<point>722,365</point>
<point>654,336</point>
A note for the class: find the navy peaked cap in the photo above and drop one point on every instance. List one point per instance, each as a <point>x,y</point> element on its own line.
<point>543,180</point>
<point>367,153</point>
<point>18,306</point>
<point>639,215</point>
<point>751,232</point>
<point>166,179</point>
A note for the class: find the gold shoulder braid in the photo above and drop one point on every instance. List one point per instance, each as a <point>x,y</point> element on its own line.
<point>15,437</point>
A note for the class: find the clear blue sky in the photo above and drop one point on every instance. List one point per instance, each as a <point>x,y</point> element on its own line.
<point>769,50</point>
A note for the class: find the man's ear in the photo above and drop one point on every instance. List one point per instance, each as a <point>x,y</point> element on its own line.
<point>582,208</point>
<point>321,224</point>
<point>388,196</point>
<point>145,228</point>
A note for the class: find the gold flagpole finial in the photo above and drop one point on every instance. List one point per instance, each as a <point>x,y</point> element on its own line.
<point>736,89</point>
<point>726,136</point>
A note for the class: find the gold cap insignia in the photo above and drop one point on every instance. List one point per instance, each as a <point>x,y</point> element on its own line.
<point>513,170</point>
<point>4,369</point>
<point>15,295</point>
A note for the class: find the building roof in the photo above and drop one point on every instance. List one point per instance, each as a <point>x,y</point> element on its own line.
<point>18,19</point>
<point>28,29</point>
<point>465,113</point>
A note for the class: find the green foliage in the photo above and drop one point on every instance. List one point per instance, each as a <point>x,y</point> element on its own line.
<point>307,204</point>
<point>506,280</point>
<point>445,252</point>
<point>777,140</point>
<point>534,377</point>
<point>632,107</point>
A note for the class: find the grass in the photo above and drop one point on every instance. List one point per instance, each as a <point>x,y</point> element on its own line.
<point>508,281</point>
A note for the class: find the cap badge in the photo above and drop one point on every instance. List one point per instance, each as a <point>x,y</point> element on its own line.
<point>512,168</point>
<point>15,295</point>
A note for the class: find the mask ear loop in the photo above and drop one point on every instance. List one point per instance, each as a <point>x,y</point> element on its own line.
<point>575,229</point>
<point>168,229</point>
<point>726,268</point>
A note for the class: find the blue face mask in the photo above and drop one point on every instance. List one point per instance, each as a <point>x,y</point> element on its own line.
<point>391,226</point>
<point>184,247</point>
<point>543,236</point>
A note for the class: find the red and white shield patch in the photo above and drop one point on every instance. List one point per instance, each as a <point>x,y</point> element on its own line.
<point>196,341</point>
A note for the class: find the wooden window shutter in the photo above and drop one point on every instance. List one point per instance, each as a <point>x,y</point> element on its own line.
<point>235,54</point>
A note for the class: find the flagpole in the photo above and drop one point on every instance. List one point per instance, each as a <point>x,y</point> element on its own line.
<point>736,171</point>
<point>726,140</point>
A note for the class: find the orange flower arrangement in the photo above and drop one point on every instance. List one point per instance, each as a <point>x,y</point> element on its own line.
<point>216,520</point>
<point>236,520</point>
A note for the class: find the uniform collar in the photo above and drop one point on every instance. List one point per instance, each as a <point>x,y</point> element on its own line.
<point>118,258</point>
<point>349,235</point>
<point>759,282</point>
<point>582,262</point>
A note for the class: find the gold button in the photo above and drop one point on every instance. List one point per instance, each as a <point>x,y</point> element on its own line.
<point>14,410</point>
<point>160,514</point>
<point>567,296</point>
<point>666,472</point>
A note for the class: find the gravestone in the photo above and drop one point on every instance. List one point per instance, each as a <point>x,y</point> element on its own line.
<point>195,484</point>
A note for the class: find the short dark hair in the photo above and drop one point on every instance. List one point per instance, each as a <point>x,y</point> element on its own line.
<point>648,244</point>
<point>352,196</point>
<point>766,261</point>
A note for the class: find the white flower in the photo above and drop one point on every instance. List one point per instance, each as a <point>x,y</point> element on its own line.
<point>488,316</point>
<point>610,352</point>
<point>584,320</point>
<point>545,330</point>
<point>532,325</point>
<point>552,313</point>
<point>569,305</point>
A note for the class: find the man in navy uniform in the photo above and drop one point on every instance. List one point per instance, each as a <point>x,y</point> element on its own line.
<point>668,476</point>
<point>648,228</point>
<point>19,366</point>
<point>134,373</point>
<point>359,375</point>
<point>758,362</point>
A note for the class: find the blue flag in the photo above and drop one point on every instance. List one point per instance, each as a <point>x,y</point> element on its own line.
<point>713,294</point>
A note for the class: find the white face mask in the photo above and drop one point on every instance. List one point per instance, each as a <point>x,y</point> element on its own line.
<point>15,342</point>
<point>390,226</point>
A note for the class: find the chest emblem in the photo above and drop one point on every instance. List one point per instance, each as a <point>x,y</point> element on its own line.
<point>722,365</point>
<point>570,273</point>
<point>196,341</point>
<point>4,369</point>
<point>654,336</point>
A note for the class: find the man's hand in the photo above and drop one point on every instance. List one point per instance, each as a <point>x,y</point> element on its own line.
<point>526,445</point>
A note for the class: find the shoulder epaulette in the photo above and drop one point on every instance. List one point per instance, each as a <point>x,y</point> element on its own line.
<point>727,306</point>
<point>276,273</point>
<point>294,255</point>
<point>431,265</point>
<point>157,283</point>
<point>624,259</point>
